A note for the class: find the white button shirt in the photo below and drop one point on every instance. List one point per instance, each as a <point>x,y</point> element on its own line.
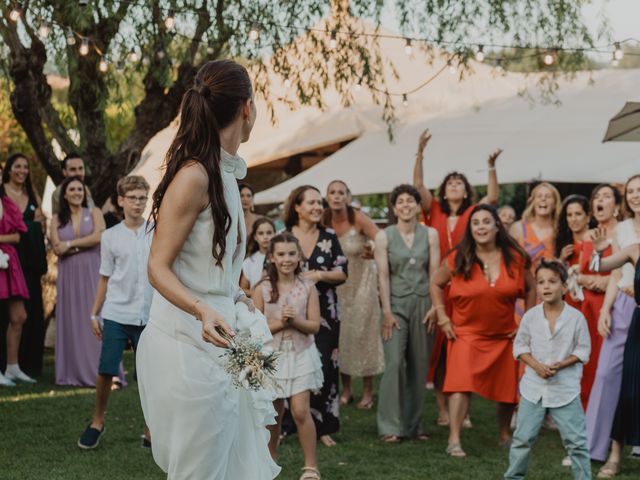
<point>124,254</point>
<point>570,337</point>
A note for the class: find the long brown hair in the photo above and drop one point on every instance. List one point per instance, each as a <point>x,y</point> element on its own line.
<point>466,202</point>
<point>28,186</point>
<point>219,91</point>
<point>272,271</point>
<point>625,204</point>
<point>466,255</point>
<point>295,198</point>
<point>252,245</point>
<point>64,211</point>
<point>327,216</point>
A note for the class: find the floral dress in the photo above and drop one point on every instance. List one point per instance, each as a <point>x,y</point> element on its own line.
<point>325,406</point>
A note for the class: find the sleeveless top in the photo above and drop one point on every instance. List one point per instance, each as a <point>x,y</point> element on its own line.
<point>408,267</point>
<point>207,277</point>
<point>298,296</point>
<point>536,248</point>
<point>625,235</point>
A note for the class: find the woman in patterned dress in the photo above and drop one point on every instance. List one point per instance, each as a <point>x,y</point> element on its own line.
<point>326,266</point>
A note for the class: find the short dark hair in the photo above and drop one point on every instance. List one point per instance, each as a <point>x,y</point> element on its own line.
<point>555,266</point>
<point>71,155</point>
<point>404,188</point>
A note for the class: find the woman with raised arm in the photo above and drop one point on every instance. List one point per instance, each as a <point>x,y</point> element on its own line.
<point>487,272</point>
<point>201,425</point>
<point>613,325</point>
<point>626,421</point>
<point>449,215</point>
<point>360,350</point>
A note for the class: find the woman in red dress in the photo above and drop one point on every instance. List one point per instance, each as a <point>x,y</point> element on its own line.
<point>606,202</point>
<point>449,215</point>
<point>487,272</point>
<point>571,230</point>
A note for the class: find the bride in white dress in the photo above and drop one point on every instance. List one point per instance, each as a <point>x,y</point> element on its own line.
<point>202,427</point>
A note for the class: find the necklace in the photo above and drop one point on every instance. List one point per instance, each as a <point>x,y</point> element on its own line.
<point>487,272</point>
<point>13,190</point>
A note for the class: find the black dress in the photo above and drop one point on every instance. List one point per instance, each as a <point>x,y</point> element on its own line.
<point>626,423</point>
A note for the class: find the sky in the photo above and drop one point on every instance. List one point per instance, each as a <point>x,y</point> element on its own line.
<point>624,17</point>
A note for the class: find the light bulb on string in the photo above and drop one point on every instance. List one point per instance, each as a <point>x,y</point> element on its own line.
<point>618,54</point>
<point>103,66</point>
<point>84,47</point>
<point>254,32</point>
<point>357,87</point>
<point>15,13</point>
<point>614,61</point>
<point>499,67</point>
<point>452,69</point>
<point>43,29</point>
<point>407,47</point>
<point>548,59</point>
<point>287,82</point>
<point>333,42</point>
<point>71,37</point>
<point>146,61</point>
<point>133,56</point>
<point>160,54</point>
<point>210,48</point>
<point>405,100</point>
<point>480,53</point>
<point>170,21</point>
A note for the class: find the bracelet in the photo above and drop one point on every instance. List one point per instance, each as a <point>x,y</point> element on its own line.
<point>439,306</point>
<point>67,244</point>
<point>193,308</point>
<point>442,324</point>
<point>95,318</point>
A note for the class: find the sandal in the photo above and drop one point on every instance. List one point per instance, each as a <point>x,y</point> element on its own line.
<point>362,405</point>
<point>344,401</point>
<point>466,423</point>
<point>442,421</point>
<point>391,439</point>
<point>423,437</point>
<point>455,450</point>
<point>310,473</point>
<point>609,470</point>
<point>327,441</point>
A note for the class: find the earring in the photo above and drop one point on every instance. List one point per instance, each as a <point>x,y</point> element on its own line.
<point>445,197</point>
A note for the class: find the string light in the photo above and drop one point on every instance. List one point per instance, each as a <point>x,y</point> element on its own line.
<point>254,32</point>
<point>407,47</point>
<point>133,56</point>
<point>84,47</point>
<point>160,54</point>
<point>71,37</point>
<point>287,82</point>
<point>549,58</point>
<point>333,42</point>
<point>405,100</point>
<point>170,21</point>
<point>452,69</point>
<point>618,54</point>
<point>15,13</point>
<point>499,67</point>
<point>357,87</point>
<point>103,66</point>
<point>210,48</point>
<point>480,53</point>
<point>43,29</point>
<point>146,61</point>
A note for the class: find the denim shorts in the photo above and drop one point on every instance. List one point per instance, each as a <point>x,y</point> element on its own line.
<point>115,337</point>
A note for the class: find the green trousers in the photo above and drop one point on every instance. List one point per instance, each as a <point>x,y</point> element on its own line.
<point>406,356</point>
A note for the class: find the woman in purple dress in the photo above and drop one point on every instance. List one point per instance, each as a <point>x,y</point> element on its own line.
<point>75,236</point>
<point>13,288</point>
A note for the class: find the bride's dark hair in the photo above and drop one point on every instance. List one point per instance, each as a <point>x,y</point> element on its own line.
<point>219,91</point>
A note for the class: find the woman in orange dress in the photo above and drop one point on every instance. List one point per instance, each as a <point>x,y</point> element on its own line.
<point>606,201</point>
<point>448,215</point>
<point>571,230</point>
<point>488,271</point>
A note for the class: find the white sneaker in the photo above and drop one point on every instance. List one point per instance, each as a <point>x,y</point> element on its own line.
<point>566,461</point>
<point>16,375</point>
<point>5,382</point>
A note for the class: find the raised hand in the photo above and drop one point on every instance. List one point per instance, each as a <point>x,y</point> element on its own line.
<point>566,252</point>
<point>423,140</point>
<point>599,239</point>
<point>493,157</point>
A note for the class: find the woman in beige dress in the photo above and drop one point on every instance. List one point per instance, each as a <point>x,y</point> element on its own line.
<point>360,350</point>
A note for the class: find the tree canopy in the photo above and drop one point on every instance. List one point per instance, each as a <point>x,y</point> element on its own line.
<point>129,62</point>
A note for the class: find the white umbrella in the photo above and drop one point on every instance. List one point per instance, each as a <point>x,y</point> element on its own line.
<point>625,126</point>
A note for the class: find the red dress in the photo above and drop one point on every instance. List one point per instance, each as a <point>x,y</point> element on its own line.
<point>448,240</point>
<point>591,306</point>
<point>574,260</point>
<point>12,283</point>
<point>480,360</point>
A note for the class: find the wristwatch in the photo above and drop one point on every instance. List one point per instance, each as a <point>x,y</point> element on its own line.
<point>95,317</point>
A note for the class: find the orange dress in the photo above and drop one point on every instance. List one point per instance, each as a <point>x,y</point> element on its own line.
<point>591,306</point>
<point>480,360</point>
<point>448,240</point>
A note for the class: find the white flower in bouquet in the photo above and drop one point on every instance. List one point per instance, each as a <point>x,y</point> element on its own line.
<point>4,260</point>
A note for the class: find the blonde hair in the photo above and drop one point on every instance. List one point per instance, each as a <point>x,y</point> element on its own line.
<point>530,212</point>
<point>131,182</point>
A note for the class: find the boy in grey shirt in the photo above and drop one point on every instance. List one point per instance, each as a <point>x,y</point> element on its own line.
<point>553,342</point>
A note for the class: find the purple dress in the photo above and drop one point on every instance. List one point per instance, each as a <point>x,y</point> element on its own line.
<point>12,283</point>
<point>77,349</point>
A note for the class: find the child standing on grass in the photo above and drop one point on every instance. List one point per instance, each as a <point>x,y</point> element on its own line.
<point>293,311</point>
<point>123,296</point>
<point>553,341</point>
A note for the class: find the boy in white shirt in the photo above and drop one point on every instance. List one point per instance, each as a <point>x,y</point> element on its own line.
<point>553,341</point>
<point>123,296</point>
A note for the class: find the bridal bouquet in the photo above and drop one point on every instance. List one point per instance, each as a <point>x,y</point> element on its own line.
<point>4,260</point>
<point>248,364</point>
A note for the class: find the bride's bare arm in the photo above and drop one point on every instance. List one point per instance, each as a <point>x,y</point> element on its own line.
<point>183,201</point>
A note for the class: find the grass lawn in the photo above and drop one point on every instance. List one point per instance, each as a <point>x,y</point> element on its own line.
<point>40,426</point>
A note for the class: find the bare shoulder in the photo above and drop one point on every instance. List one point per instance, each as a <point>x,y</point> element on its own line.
<point>190,186</point>
<point>381,238</point>
<point>516,229</point>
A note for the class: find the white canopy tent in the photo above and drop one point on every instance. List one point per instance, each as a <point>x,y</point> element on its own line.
<point>555,143</point>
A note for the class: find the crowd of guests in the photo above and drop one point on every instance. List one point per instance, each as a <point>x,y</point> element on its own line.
<point>436,298</point>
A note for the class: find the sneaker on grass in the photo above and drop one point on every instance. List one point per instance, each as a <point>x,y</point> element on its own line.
<point>90,438</point>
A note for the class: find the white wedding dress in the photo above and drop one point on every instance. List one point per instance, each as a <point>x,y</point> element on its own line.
<point>202,427</point>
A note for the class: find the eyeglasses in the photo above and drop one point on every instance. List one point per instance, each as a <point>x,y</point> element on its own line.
<point>134,199</point>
